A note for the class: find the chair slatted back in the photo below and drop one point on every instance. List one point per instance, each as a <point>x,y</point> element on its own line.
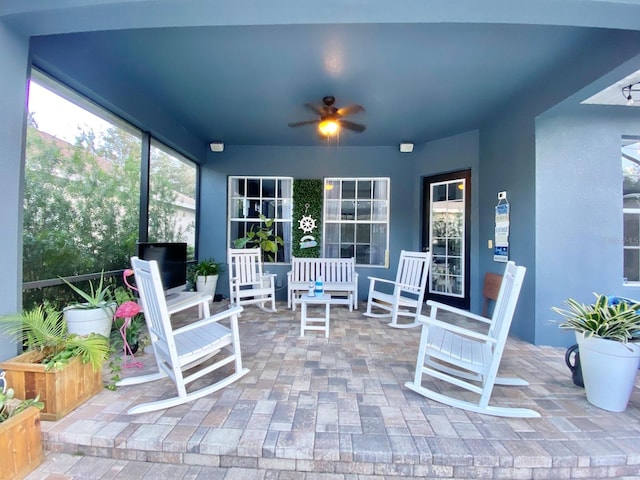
<point>506,302</point>
<point>413,270</point>
<point>245,265</point>
<point>154,306</point>
<point>332,270</point>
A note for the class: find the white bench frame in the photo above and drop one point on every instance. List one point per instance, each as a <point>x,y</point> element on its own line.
<point>339,277</point>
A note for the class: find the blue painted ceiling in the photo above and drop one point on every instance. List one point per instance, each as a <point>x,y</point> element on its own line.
<point>243,83</point>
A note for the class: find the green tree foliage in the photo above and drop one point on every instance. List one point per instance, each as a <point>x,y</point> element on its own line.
<point>81,205</point>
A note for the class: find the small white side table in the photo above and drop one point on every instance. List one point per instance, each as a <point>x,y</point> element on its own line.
<point>316,323</point>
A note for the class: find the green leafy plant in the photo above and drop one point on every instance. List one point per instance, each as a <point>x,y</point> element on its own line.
<point>619,321</point>
<point>42,329</point>
<point>96,297</point>
<point>205,268</point>
<point>263,237</point>
<point>11,406</point>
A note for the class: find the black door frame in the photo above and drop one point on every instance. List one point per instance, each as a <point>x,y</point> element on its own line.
<point>460,302</point>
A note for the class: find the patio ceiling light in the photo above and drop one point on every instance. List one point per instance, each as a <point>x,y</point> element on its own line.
<point>627,92</point>
<point>328,127</point>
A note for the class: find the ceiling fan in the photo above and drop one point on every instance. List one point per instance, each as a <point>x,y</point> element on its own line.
<point>331,118</point>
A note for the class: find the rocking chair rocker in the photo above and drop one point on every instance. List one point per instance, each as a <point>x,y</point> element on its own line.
<point>460,356</point>
<point>184,348</point>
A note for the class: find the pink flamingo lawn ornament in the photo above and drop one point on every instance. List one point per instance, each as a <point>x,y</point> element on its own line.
<point>127,311</point>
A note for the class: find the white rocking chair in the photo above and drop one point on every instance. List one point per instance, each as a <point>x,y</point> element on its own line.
<point>407,296</point>
<point>460,356</point>
<point>183,348</point>
<point>247,283</point>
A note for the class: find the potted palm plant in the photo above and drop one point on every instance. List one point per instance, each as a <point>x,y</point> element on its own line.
<point>204,275</point>
<point>19,427</point>
<point>95,313</point>
<point>608,336</point>
<point>62,368</point>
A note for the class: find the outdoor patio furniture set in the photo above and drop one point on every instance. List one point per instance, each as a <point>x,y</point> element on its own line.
<point>466,358</point>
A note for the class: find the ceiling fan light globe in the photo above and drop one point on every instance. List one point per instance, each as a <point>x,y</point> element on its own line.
<point>328,127</point>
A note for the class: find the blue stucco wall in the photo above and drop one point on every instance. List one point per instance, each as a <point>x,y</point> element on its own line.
<point>579,209</point>
<point>508,164</point>
<point>404,170</point>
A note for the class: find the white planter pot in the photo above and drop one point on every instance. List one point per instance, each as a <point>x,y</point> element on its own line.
<point>609,369</point>
<point>90,320</point>
<point>207,284</point>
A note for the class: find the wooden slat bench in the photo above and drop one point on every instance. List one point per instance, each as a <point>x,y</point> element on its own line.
<point>338,275</point>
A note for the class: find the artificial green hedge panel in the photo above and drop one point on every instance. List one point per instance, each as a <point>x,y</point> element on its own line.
<point>307,206</point>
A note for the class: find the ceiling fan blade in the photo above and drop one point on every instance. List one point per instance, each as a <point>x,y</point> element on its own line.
<point>350,110</point>
<point>356,127</point>
<point>315,109</point>
<point>305,122</point>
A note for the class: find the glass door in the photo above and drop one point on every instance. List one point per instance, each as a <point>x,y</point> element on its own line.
<point>446,234</point>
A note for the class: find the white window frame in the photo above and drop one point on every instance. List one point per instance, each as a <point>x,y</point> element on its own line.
<point>333,193</point>
<point>630,153</point>
<point>286,208</point>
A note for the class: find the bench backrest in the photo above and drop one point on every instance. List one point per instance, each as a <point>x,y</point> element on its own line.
<point>332,270</point>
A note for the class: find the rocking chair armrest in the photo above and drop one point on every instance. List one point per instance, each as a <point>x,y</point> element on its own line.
<point>235,310</point>
<point>458,311</point>
<point>393,282</point>
<point>428,321</point>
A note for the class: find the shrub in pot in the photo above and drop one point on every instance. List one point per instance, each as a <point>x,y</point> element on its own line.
<point>62,368</point>
<point>608,336</point>
<point>95,314</point>
<point>20,434</point>
<point>204,275</point>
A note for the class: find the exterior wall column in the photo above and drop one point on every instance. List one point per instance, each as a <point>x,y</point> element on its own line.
<point>14,65</point>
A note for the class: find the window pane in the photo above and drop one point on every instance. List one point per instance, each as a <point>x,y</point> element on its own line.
<point>332,209</point>
<point>348,210</point>
<point>363,232</point>
<point>631,208</point>
<point>269,196</point>
<point>347,233</point>
<point>364,210</point>
<point>172,198</point>
<point>332,189</point>
<point>253,187</point>
<point>269,188</point>
<point>359,237</point>
<point>380,191</point>
<point>362,254</point>
<point>447,237</point>
<point>379,211</point>
<point>81,190</point>
<point>364,189</point>
<point>349,189</point>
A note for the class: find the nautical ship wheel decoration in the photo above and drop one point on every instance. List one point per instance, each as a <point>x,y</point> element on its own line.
<point>307,224</point>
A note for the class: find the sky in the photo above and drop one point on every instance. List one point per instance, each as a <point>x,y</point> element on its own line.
<point>59,117</point>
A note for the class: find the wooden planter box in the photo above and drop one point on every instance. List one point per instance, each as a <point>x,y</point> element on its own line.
<point>60,390</point>
<point>20,444</point>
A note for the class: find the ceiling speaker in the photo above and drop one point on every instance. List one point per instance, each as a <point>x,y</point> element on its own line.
<point>216,146</point>
<point>406,147</point>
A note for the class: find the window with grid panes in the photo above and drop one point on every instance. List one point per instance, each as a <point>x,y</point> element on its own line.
<point>251,196</point>
<point>356,219</point>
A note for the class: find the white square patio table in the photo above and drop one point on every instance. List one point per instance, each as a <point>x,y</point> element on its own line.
<point>314,323</point>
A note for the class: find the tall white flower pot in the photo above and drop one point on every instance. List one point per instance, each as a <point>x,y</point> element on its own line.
<point>609,369</point>
<point>207,284</point>
<point>83,321</point>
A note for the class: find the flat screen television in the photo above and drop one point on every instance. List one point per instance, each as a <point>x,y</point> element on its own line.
<point>171,258</point>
